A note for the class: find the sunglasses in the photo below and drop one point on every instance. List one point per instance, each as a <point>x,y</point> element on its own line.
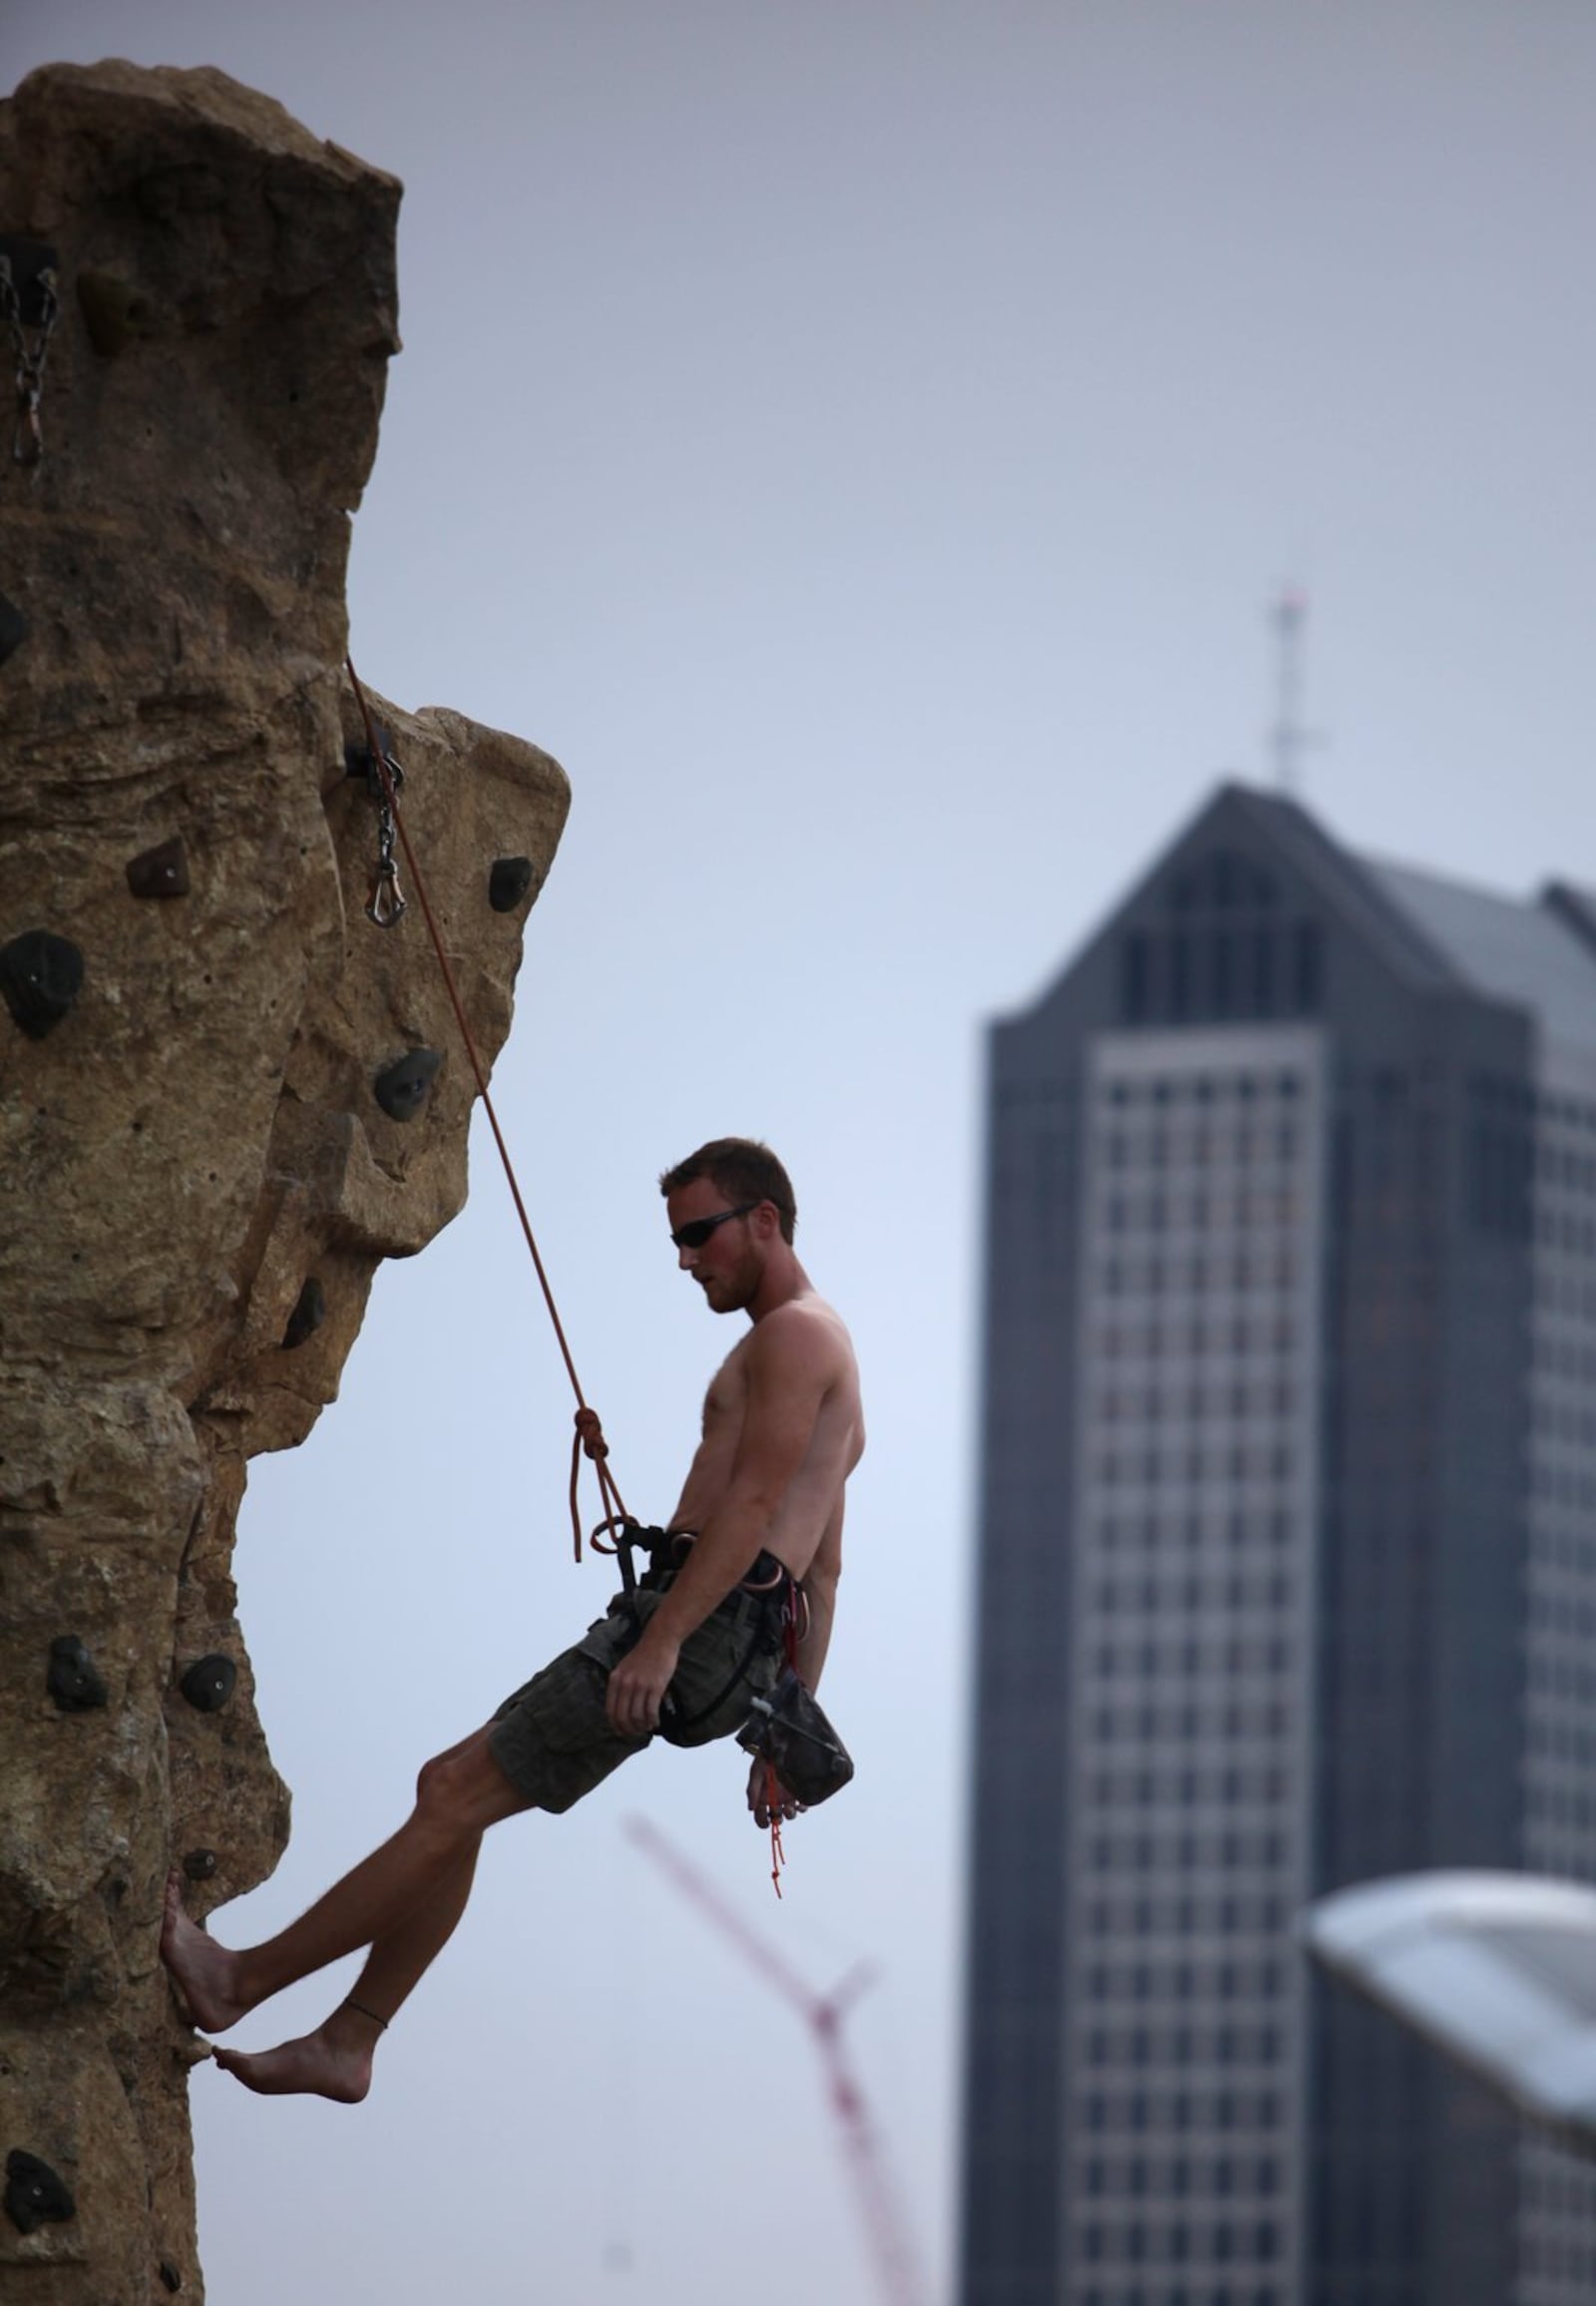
<point>698,1231</point>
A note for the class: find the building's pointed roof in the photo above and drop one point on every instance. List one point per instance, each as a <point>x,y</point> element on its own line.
<point>1517,949</point>
<point>1344,880</point>
<point>1438,936</point>
<point>1536,952</point>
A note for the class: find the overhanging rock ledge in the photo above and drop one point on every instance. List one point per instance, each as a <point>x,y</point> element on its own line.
<point>198,1176</point>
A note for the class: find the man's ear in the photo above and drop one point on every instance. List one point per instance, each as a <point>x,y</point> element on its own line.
<point>768,1219</point>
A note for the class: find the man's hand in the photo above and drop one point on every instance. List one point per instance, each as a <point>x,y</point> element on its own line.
<point>768,1798</point>
<point>638,1684</point>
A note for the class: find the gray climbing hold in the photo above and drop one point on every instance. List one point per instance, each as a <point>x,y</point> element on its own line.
<point>35,2195</point>
<point>72,1679</point>
<point>209,1682</point>
<point>509,882</point>
<point>307,1315</point>
<point>200,1865</point>
<point>41,977</point>
<point>170,2279</point>
<point>160,872</point>
<point>13,628</point>
<point>401,1090</point>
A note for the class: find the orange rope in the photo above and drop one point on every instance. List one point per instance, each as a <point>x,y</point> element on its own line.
<point>590,1434</point>
<point>779,1856</point>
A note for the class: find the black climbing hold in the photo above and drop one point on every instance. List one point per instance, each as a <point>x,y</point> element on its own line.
<point>41,977</point>
<point>307,1315</point>
<point>35,2195</point>
<point>29,260</point>
<point>170,2279</point>
<point>160,872</point>
<point>200,1865</point>
<point>13,628</point>
<point>401,1090</point>
<point>509,882</point>
<point>72,1679</point>
<point>209,1682</point>
<point>112,312</point>
<point>357,756</point>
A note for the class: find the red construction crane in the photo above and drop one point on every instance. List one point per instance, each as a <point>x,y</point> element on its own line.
<point>823,2015</point>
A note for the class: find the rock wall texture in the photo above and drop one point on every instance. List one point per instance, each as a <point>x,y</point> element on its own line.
<point>212,1119</point>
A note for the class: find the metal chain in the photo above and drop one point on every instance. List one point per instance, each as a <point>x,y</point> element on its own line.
<point>27,442</point>
<point>386,906</point>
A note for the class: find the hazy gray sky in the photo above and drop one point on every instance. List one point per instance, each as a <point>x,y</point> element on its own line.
<point>861,440</point>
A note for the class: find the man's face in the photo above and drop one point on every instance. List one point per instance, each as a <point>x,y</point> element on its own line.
<point>728,1264</point>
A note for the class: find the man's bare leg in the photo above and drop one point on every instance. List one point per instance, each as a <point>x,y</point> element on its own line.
<point>459,1795</point>
<point>335,2060</point>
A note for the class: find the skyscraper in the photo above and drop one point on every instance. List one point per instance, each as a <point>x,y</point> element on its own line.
<point>1287,1571</point>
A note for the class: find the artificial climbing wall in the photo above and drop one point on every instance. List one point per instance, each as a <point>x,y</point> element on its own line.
<point>225,1094</point>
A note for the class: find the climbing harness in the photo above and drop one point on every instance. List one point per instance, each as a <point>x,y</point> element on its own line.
<point>769,1582</point>
<point>774,1721</point>
<point>588,1439</point>
<point>30,308</point>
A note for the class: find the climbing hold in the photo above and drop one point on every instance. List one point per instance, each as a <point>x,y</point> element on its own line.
<point>509,882</point>
<point>357,760</point>
<point>209,1682</point>
<point>200,1865</point>
<point>307,1315</point>
<point>112,312</point>
<point>401,1090</point>
<point>72,1679</point>
<point>34,2193</point>
<point>160,872</point>
<point>170,2279</point>
<point>41,977</point>
<point>13,628</point>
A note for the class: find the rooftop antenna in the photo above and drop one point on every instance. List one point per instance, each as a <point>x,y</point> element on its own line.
<point>823,2014</point>
<point>1287,738</point>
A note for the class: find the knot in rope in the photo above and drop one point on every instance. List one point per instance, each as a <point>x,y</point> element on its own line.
<point>588,1441</point>
<point>590,1433</point>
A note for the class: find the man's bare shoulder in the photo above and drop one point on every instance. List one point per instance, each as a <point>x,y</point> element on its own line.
<point>805,1332</point>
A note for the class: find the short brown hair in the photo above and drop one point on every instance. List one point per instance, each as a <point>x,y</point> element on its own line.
<point>744,1170</point>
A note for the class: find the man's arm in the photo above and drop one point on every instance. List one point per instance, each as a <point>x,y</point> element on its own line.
<point>791,1366</point>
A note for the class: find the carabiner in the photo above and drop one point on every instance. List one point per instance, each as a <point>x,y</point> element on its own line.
<point>386,906</point>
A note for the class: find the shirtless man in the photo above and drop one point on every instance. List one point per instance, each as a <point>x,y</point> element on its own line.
<point>763,1502</point>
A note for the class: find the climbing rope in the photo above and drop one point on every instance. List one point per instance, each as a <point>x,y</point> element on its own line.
<point>385,777</point>
<point>27,441</point>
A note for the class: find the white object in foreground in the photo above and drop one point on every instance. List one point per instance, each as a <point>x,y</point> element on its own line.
<point>1496,1969</point>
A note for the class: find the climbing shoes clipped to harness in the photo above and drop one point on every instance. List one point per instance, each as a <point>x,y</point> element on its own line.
<point>788,1730</point>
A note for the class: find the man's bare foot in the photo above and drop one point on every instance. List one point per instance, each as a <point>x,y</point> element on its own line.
<point>206,1974</point>
<point>320,2065</point>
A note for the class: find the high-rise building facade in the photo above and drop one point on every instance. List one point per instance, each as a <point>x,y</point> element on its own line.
<point>1287,1571</point>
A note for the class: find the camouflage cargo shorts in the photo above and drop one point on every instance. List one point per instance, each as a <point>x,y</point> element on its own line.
<point>550,1738</point>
